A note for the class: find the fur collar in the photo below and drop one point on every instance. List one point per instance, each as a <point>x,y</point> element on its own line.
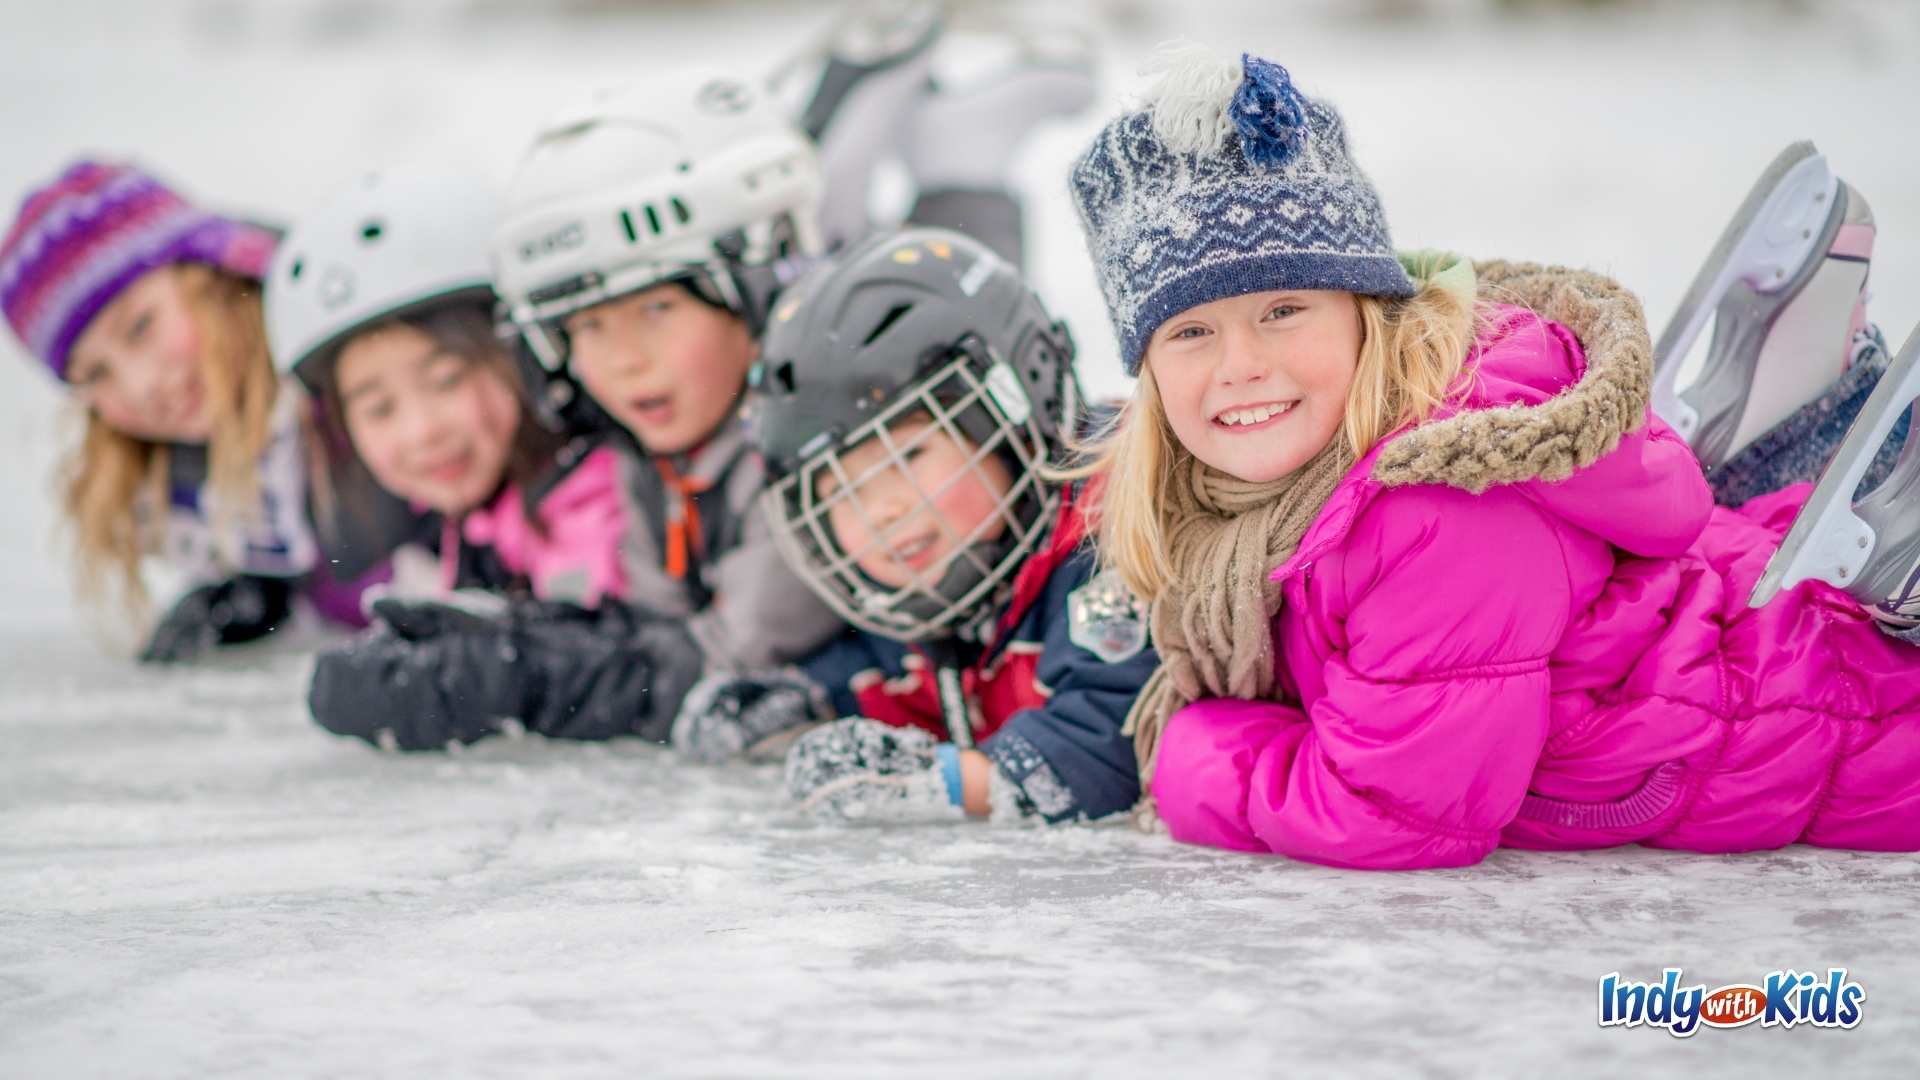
<point>1479,448</point>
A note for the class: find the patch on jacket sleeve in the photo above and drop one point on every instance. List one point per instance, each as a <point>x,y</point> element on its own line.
<point>1106,619</point>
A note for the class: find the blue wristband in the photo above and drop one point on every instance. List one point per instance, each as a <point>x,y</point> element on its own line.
<point>948,756</point>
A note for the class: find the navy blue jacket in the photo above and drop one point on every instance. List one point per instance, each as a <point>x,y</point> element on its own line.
<point>1046,711</point>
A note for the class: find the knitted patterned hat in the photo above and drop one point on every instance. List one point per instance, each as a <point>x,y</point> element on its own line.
<point>1229,181</point>
<point>87,235</point>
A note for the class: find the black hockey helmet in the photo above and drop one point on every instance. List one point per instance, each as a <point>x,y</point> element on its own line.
<point>919,325</point>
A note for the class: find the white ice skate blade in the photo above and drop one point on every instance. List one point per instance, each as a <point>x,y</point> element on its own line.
<point>1801,354</point>
<point>1769,237</point>
<point>1828,541</point>
<point>871,34</point>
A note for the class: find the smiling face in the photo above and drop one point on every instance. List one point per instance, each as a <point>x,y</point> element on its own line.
<point>909,512</point>
<point>670,368</point>
<point>138,363</point>
<point>434,427</point>
<point>1256,385</point>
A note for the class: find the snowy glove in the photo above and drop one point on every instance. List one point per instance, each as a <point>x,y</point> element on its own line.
<point>730,715</point>
<point>864,770</point>
<point>244,608</point>
<point>428,674</point>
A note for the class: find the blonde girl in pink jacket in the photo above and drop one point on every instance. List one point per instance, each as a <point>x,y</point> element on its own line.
<point>1427,577</point>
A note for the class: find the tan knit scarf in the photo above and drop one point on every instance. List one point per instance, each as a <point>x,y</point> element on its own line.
<point>1213,622</point>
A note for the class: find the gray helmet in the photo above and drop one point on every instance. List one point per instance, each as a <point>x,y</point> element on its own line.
<point>924,331</point>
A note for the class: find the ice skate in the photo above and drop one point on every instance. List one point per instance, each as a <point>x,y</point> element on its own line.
<point>1785,287</point>
<point>886,41</point>
<point>878,59</point>
<point>960,142</point>
<point>965,133</point>
<point>1870,548</point>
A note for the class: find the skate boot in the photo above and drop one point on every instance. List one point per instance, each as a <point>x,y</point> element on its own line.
<point>878,58</point>
<point>1870,548</point>
<point>1786,289</point>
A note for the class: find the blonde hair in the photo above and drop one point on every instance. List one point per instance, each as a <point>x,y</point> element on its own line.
<point>114,487</point>
<point>1411,352</point>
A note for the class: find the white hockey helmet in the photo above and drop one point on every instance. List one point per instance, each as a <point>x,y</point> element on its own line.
<point>390,243</point>
<point>690,176</point>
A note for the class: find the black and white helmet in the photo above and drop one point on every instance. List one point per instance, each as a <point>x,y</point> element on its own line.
<point>929,325</point>
<point>694,176</point>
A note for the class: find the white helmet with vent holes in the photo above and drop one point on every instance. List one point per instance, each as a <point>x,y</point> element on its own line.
<point>390,243</point>
<point>691,176</point>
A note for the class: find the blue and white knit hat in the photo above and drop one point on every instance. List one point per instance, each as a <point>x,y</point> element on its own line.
<point>1228,181</point>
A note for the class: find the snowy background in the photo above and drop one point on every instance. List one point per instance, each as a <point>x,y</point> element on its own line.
<point>194,882</point>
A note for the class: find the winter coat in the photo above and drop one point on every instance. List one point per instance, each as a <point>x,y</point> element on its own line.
<point>741,604</point>
<point>605,520</point>
<point>612,640</point>
<point>273,540</point>
<point>573,553</point>
<point>1524,622</point>
<point>1046,711</point>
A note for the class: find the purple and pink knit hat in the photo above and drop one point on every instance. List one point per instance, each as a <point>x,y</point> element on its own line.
<point>81,239</point>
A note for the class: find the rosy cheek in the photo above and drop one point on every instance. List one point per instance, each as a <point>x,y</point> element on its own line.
<point>183,343</point>
<point>123,411</point>
<point>115,414</point>
<point>979,508</point>
<point>501,414</point>
<point>388,464</point>
<point>848,533</point>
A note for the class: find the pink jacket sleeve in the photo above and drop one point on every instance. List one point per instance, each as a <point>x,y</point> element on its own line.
<point>1444,608</point>
<point>575,554</point>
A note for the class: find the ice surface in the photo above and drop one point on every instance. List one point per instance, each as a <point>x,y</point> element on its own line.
<point>194,882</point>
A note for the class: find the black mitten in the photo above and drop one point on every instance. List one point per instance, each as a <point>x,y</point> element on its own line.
<point>417,619</point>
<point>244,608</point>
<point>428,674</point>
<point>418,692</point>
<point>612,670</point>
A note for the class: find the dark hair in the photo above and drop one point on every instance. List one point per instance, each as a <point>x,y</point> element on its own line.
<point>466,330</point>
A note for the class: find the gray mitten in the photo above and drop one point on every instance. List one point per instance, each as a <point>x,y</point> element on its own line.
<point>754,715</point>
<point>864,770</point>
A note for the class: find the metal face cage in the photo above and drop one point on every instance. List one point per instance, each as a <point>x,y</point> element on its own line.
<point>975,399</point>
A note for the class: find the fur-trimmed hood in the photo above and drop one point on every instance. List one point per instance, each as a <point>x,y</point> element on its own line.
<point>1476,448</point>
<point>1553,401</point>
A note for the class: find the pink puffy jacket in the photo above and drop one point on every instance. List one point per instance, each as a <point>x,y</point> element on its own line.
<point>575,554</point>
<point>1526,623</point>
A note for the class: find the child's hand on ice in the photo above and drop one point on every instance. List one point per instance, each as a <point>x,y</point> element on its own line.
<point>226,613</point>
<point>755,715</point>
<point>864,770</point>
<point>430,673</point>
